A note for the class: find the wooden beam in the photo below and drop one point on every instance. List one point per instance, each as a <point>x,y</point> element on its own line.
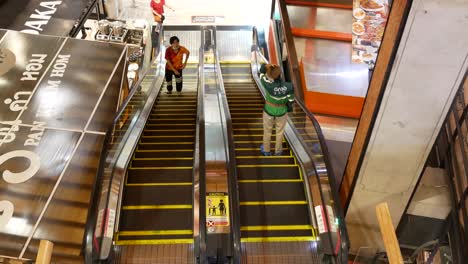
<point>388,234</point>
<point>313,33</point>
<point>377,85</point>
<point>45,252</point>
<point>316,4</point>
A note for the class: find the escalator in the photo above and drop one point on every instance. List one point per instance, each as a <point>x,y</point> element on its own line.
<point>274,211</point>
<point>157,196</point>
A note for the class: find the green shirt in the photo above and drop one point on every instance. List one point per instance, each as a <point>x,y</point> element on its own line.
<point>278,93</point>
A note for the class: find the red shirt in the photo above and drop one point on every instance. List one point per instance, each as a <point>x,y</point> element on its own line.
<point>158,8</point>
<point>176,58</point>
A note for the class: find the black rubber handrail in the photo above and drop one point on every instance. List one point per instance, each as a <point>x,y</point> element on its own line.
<point>89,242</point>
<point>232,165</point>
<point>344,243</point>
<point>201,167</point>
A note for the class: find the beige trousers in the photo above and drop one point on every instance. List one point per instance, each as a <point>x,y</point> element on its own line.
<point>268,122</point>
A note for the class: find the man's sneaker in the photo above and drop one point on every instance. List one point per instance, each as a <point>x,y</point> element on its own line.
<point>179,93</point>
<point>279,153</point>
<point>264,153</point>
<point>169,92</point>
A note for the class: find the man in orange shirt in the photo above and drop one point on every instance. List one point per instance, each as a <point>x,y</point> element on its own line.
<point>175,64</point>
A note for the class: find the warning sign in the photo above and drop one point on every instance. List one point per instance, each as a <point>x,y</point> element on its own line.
<point>217,212</point>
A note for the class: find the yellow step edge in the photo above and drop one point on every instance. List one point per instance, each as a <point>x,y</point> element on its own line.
<point>235,62</point>
<point>157,207</point>
<point>153,242</point>
<point>246,104</point>
<point>162,102</point>
<point>247,118</point>
<point>263,157</point>
<point>172,105</point>
<point>148,125</point>
<point>173,119</point>
<point>155,233</point>
<point>165,150</point>
<point>252,141</point>
<point>268,181</point>
<point>181,109</point>
<point>168,136</point>
<point>250,123</point>
<point>243,149</point>
<point>168,130</point>
<point>172,114</point>
<point>161,168</point>
<point>159,184</point>
<point>276,227</point>
<point>277,239</point>
<point>165,143</point>
<point>273,203</point>
<point>268,166</point>
<point>249,128</point>
<point>237,74</point>
<point>249,135</point>
<point>163,158</point>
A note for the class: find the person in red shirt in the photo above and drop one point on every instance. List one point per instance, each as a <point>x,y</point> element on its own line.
<point>175,64</point>
<point>157,7</point>
<point>158,10</point>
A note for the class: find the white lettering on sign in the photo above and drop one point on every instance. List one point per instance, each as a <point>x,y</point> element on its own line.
<point>51,91</point>
<point>41,17</point>
<point>35,138</point>
<point>34,66</point>
<point>18,102</point>
<point>20,177</point>
<point>60,66</point>
<point>6,213</point>
<point>7,134</point>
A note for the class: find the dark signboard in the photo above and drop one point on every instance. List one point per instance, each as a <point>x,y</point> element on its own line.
<point>41,17</point>
<point>51,91</point>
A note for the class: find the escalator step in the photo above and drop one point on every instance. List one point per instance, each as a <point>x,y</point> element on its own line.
<point>164,154</point>
<point>255,151</point>
<point>248,115</point>
<point>254,125</point>
<point>156,139</point>
<point>170,121</point>
<point>154,237</point>
<point>254,160</point>
<point>175,111</point>
<point>254,144</point>
<point>266,215</point>
<point>171,126</point>
<point>278,233</point>
<point>258,110</point>
<point>157,195</point>
<point>170,116</point>
<point>168,132</point>
<point>267,173</point>
<point>163,162</point>
<point>156,219</point>
<point>175,106</point>
<point>252,137</point>
<point>165,145</point>
<point>267,191</point>
<point>159,175</point>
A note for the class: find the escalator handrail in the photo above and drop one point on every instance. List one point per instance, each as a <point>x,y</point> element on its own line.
<point>338,209</point>
<point>231,161</point>
<point>92,217</point>
<point>199,158</point>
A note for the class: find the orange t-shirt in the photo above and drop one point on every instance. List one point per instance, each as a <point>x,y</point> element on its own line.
<point>176,58</point>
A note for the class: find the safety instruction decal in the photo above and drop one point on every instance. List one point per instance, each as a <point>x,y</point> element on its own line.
<point>217,211</point>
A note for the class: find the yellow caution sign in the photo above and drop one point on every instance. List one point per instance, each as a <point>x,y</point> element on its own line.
<point>217,212</point>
